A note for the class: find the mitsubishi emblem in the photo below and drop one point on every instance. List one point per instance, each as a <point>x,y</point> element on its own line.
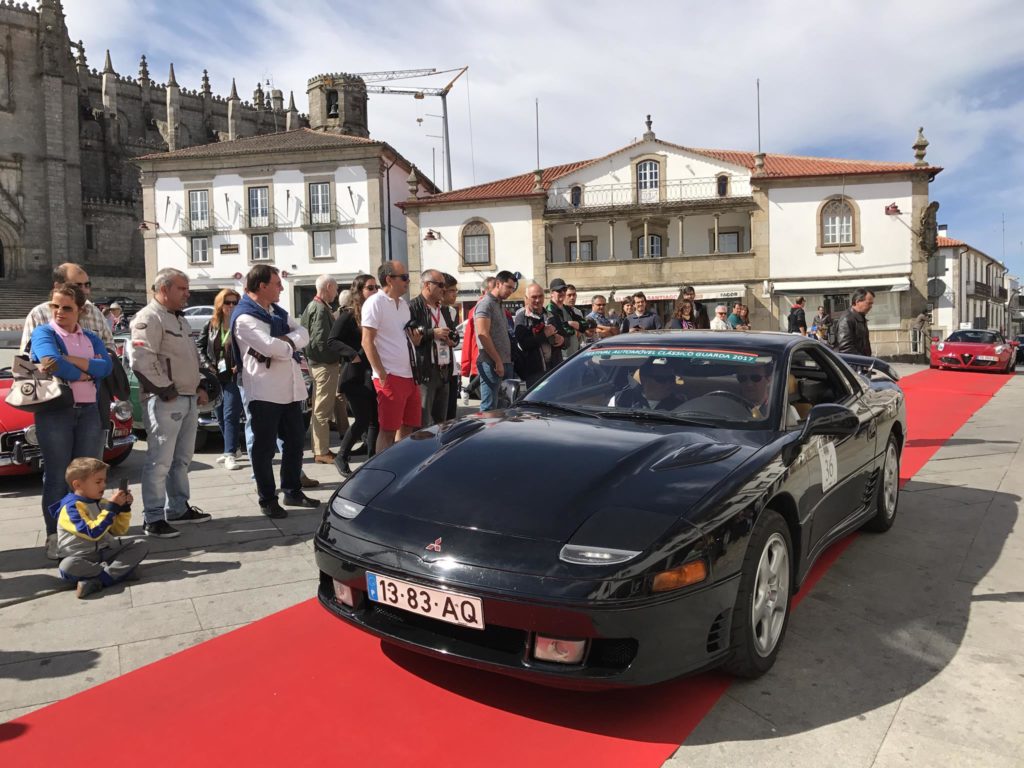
<point>434,546</point>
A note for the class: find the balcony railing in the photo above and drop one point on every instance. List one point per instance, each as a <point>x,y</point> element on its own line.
<point>320,217</point>
<point>577,196</point>
<point>260,221</point>
<point>198,225</point>
<point>979,289</point>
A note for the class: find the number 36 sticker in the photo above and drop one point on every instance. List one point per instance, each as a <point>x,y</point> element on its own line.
<point>829,465</point>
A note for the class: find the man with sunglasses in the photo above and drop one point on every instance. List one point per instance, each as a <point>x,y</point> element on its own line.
<point>388,344</point>
<point>603,326</point>
<point>755,384</point>
<point>494,363</point>
<point>434,352</point>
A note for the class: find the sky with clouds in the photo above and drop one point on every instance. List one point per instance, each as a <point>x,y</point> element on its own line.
<point>838,78</point>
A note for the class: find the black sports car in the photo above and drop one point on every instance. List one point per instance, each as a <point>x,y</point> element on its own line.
<point>647,510</point>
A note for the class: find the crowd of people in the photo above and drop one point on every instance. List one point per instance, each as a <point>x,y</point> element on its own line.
<point>386,360</point>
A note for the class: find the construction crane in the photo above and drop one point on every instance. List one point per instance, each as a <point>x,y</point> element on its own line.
<point>395,74</point>
<point>421,93</point>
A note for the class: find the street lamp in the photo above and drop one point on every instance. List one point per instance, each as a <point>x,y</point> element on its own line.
<point>144,225</point>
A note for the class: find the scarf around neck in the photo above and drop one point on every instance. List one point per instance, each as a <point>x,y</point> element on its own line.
<point>276,318</point>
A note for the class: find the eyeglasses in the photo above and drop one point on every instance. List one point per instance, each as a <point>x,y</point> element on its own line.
<point>401,277</point>
<point>86,284</point>
<point>230,303</point>
<point>723,312</point>
<point>62,308</point>
<point>433,282</point>
<point>598,306</point>
<point>743,378</point>
<point>370,288</point>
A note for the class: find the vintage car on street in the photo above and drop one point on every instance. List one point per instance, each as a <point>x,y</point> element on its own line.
<point>975,350</point>
<point>19,448</point>
<point>646,510</point>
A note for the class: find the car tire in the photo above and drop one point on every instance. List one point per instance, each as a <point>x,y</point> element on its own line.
<point>887,494</point>
<point>761,613</point>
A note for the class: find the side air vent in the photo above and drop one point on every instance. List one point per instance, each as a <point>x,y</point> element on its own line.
<point>459,430</point>
<point>718,635</point>
<point>869,488</point>
<point>696,453</point>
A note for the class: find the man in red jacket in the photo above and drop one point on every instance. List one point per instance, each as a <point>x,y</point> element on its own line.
<point>470,350</point>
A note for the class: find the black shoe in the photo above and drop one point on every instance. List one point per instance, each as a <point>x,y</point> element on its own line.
<point>193,515</point>
<point>360,451</point>
<point>161,529</point>
<point>300,500</point>
<point>341,463</point>
<point>272,509</point>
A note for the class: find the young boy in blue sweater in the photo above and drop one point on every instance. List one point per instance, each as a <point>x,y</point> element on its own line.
<point>88,530</point>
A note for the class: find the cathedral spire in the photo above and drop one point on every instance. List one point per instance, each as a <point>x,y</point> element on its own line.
<point>234,91</point>
<point>171,82</point>
<point>108,68</point>
<point>291,101</point>
<point>206,83</point>
<point>143,68</point>
<point>80,59</point>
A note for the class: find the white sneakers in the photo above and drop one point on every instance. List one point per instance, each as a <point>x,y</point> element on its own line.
<point>231,461</point>
<point>51,547</point>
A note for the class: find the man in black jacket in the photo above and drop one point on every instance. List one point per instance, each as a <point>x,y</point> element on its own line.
<point>797,317</point>
<point>852,328</point>
<point>434,352</point>
<point>537,336</point>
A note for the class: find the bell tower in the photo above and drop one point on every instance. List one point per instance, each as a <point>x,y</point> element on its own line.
<point>337,103</point>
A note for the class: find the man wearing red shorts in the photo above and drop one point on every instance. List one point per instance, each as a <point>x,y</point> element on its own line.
<point>388,346</point>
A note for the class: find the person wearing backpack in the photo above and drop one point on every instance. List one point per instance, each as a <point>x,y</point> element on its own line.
<point>797,318</point>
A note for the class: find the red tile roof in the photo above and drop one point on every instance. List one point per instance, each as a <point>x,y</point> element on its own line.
<point>948,242</point>
<point>298,140</point>
<point>775,167</point>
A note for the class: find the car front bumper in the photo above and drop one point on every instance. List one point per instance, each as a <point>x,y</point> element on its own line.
<point>628,643</point>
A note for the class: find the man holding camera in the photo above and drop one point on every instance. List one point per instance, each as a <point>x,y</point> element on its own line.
<point>537,336</point>
<point>434,351</point>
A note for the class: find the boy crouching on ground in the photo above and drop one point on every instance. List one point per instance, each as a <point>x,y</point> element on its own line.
<point>87,529</point>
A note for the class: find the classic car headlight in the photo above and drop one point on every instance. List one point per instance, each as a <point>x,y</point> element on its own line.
<point>1000,348</point>
<point>358,491</point>
<point>940,346</point>
<point>30,435</point>
<point>122,410</point>
<point>578,554</point>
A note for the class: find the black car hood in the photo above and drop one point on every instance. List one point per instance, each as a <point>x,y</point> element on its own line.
<point>529,475</point>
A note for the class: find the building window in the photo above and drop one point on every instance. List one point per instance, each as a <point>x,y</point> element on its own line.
<point>576,196</point>
<point>653,249</point>
<point>259,206</point>
<point>728,242</point>
<point>200,250</point>
<point>476,243</point>
<point>90,237</point>
<point>837,223</point>
<point>261,247</point>
<point>723,185</point>
<point>648,174</point>
<point>322,245</point>
<point>586,250</point>
<point>199,209</point>
<point>320,203</point>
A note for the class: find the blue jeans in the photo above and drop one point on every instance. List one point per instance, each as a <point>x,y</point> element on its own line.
<point>490,384</point>
<point>171,440</point>
<point>229,415</point>
<point>64,435</point>
<point>270,422</point>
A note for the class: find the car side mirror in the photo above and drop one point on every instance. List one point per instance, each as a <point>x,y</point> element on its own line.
<point>1014,343</point>
<point>512,390</point>
<point>830,419</point>
<point>935,338</point>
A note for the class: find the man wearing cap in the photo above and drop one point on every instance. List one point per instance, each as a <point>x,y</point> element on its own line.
<point>565,321</point>
<point>494,363</point>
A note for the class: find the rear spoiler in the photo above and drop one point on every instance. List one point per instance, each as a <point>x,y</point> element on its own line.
<point>869,365</point>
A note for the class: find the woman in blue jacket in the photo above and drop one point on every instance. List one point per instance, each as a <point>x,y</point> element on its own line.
<point>78,357</point>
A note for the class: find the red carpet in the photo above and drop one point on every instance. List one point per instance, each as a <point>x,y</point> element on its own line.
<point>300,688</point>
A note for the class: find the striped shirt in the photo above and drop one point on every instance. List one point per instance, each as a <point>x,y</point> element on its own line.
<point>90,318</point>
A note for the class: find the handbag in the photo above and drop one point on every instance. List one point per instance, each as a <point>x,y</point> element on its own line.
<point>36,392</point>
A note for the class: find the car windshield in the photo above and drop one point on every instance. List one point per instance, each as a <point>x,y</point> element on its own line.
<point>714,385</point>
<point>975,337</point>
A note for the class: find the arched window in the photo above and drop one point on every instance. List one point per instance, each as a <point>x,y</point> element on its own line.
<point>837,223</point>
<point>653,249</point>
<point>723,185</point>
<point>332,103</point>
<point>476,243</point>
<point>576,196</point>
<point>648,174</point>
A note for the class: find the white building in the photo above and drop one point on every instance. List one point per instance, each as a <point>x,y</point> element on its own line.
<point>309,201</point>
<point>968,289</point>
<point>654,216</point>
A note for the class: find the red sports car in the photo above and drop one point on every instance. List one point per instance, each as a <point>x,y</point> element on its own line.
<point>975,350</point>
<point>19,449</point>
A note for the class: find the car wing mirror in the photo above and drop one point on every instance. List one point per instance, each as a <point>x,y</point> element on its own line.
<point>830,419</point>
<point>512,390</point>
<point>1014,343</point>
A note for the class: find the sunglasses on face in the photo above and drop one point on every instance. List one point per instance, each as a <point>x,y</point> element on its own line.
<point>230,303</point>
<point>370,288</point>
<point>721,313</point>
<point>404,277</point>
<point>743,378</point>
<point>62,308</point>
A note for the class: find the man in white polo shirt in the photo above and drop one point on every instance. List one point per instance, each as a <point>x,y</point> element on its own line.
<point>386,342</point>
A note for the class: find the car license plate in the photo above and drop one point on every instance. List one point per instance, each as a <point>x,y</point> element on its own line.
<point>454,608</point>
<point>989,358</point>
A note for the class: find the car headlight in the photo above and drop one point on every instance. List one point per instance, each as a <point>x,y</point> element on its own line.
<point>30,435</point>
<point>940,346</point>
<point>579,554</point>
<point>686,574</point>
<point>999,349</point>
<point>121,410</point>
<point>358,491</point>
<point>346,508</point>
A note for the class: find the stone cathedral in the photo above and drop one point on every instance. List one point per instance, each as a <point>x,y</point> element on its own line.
<point>68,133</point>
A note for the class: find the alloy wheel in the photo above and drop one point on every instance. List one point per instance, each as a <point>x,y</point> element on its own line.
<point>771,595</point>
